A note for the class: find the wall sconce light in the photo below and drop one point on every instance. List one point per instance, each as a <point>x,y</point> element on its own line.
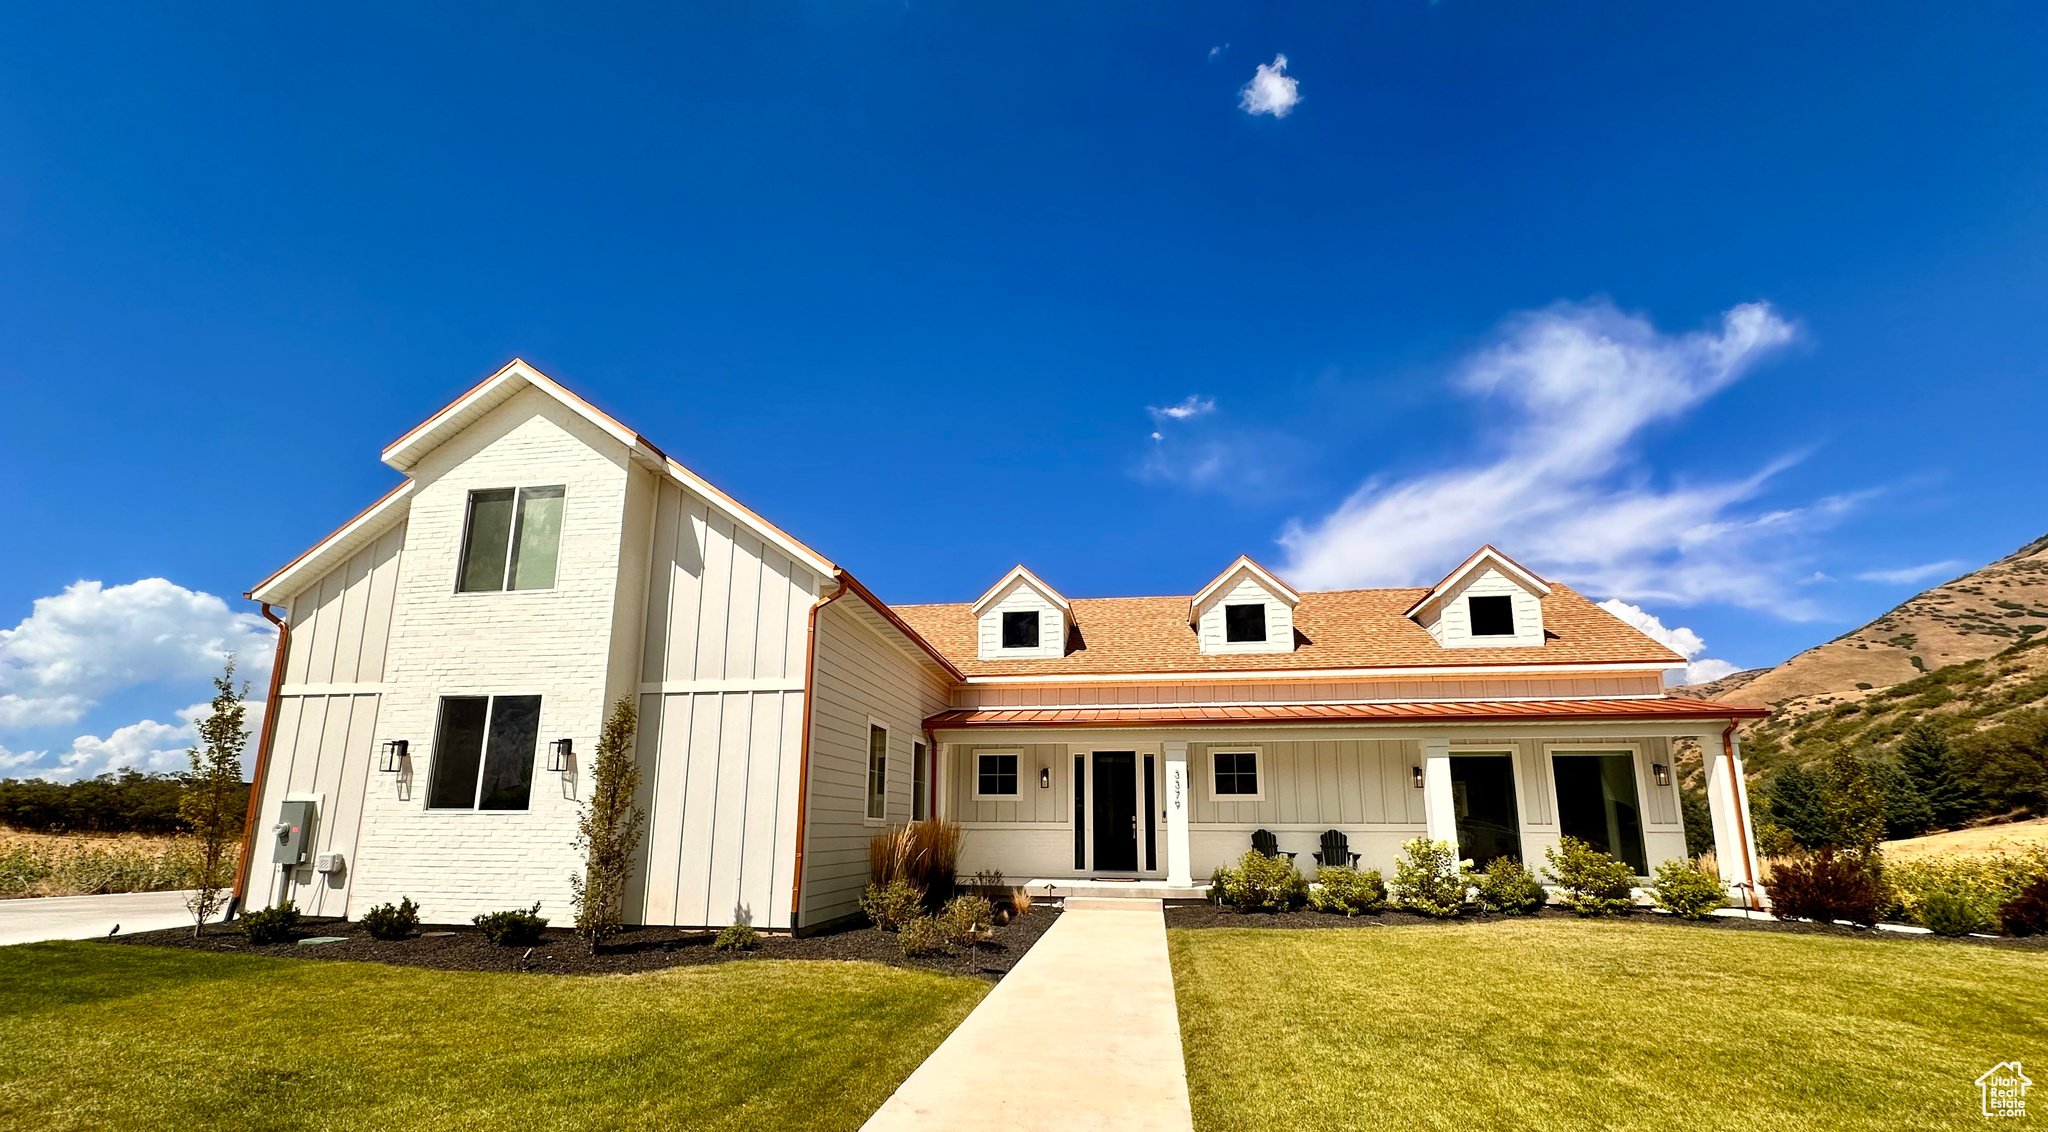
<point>392,756</point>
<point>559,753</point>
<point>1418,778</point>
<point>1661,773</point>
<point>1045,778</point>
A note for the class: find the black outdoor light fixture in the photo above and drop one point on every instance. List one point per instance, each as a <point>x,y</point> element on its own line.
<point>1661,773</point>
<point>559,752</point>
<point>392,756</point>
<point>1045,778</point>
<point>1418,778</point>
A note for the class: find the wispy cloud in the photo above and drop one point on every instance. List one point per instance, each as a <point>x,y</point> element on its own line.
<point>1271,91</point>
<point>1946,568</point>
<point>1218,50</point>
<point>1193,405</point>
<point>1563,489</point>
<point>1679,639</point>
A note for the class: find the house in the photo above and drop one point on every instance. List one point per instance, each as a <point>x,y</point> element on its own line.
<point>447,656</point>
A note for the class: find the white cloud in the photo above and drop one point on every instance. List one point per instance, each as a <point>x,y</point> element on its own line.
<point>1681,640</point>
<point>1562,491</point>
<point>91,640</point>
<point>1270,91</point>
<point>1947,567</point>
<point>1218,50</point>
<point>147,746</point>
<point>1193,405</point>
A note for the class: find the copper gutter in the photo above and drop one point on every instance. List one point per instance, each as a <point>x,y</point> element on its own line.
<point>1741,819</point>
<point>284,636</point>
<point>803,781</point>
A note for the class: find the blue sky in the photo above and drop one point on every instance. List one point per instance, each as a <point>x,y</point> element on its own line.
<point>1731,312</point>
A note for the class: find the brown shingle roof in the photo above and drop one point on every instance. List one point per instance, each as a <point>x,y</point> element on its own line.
<point>1653,707</point>
<point>1333,629</point>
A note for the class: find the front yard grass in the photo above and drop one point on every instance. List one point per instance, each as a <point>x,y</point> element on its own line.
<point>106,1037</point>
<point>1614,1025</point>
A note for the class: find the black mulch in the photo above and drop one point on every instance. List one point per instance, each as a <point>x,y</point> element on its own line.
<point>637,949</point>
<point>1216,916</point>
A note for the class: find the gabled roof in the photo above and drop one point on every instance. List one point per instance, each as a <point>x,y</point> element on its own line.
<point>1244,565</point>
<point>407,451</point>
<point>1030,579</point>
<point>316,560</point>
<point>1485,556</point>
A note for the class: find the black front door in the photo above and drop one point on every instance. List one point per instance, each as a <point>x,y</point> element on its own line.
<point>1116,811</point>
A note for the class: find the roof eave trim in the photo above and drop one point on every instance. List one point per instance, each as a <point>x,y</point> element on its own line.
<point>1031,579</point>
<point>912,635</point>
<point>1272,582</point>
<point>766,530</point>
<point>1521,573</point>
<point>278,586</point>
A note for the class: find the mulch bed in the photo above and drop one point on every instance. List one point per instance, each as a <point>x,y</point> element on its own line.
<point>636,949</point>
<point>1217,916</point>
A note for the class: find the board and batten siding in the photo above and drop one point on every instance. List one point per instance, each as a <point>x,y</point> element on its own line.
<point>1326,784</point>
<point>721,717</point>
<point>865,671</point>
<point>1047,805</point>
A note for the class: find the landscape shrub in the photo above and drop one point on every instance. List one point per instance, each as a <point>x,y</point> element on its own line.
<point>1594,883</point>
<point>1824,887</point>
<point>1687,890</point>
<point>266,926</point>
<point>923,853</point>
<point>2026,913</point>
<point>392,921</point>
<point>1342,889</point>
<point>1952,914</point>
<point>967,920</point>
<point>1429,879</point>
<point>1987,882</point>
<point>519,927</point>
<point>1259,883</point>
<point>737,937</point>
<point>924,936</point>
<point>1507,886</point>
<point>890,906</point>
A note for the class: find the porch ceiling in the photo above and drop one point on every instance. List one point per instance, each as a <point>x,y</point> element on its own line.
<point>1152,715</point>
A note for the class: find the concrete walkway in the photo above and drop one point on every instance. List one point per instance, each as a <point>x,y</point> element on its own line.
<point>1082,1034</point>
<point>31,919</point>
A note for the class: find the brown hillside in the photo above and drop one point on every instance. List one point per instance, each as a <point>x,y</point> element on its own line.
<point>1970,618</point>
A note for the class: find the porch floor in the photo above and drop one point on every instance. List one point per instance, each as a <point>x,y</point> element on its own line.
<point>1150,889</point>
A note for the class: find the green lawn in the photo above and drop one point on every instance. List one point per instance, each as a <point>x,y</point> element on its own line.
<point>118,1037</point>
<point>1567,1024</point>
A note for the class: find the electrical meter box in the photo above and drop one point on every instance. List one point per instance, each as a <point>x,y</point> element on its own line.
<point>294,831</point>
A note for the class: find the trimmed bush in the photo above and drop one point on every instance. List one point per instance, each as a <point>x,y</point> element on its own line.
<point>890,906</point>
<point>924,937</point>
<point>1594,883</point>
<point>2027,913</point>
<point>1507,886</point>
<point>967,920</point>
<point>266,926</point>
<point>1686,890</point>
<point>1346,890</point>
<point>519,927</point>
<point>1259,883</point>
<point>737,937</point>
<point>1824,887</point>
<point>1952,914</point>
<point>392,921</point>
<point>1429,879</point>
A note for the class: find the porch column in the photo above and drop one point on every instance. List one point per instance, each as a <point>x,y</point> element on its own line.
<point>1734,831</point>
<point>1439,807</point>
<point>1178,873</point>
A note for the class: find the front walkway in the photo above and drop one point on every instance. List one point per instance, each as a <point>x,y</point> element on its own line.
<point>31,919</point>
<point>1082,1034</point>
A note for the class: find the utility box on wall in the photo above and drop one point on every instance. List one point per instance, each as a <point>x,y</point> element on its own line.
<point>294,831</point>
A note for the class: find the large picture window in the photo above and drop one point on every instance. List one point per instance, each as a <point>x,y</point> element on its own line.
<point>483,753</point>
<point>1236,776</point>
<point>1597,803</point>
<point>995,775</point>
<point>878,773</point>
<point>511,540</point>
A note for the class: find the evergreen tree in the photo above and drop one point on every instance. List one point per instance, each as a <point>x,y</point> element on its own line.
<point>1906,812</point>
<point>1926,759</point>
<point>1795,795</point>
<point>609,830</point>
<point>213,799</point>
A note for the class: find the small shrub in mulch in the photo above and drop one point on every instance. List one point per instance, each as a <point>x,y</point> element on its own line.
<point>737,937</point>
<point>1824,887</point>
<point>1685,889</point>
<point>1507,886</point>
<point>1344,890</point>
<point>270,925</point>
<point>392,921</point>
<point>1594,883</point>
<point>519,927</point>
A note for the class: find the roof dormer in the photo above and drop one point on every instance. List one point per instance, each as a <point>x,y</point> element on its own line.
<point>1245,610</point>
<point>1022,618</point>
<point>1488,602</point>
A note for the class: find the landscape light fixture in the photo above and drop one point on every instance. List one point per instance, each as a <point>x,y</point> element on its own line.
<point>1661,773</point>
<point>558,754</point>
<point>1418,778</point>
<point>392,756</point>
<point>1045,778</point>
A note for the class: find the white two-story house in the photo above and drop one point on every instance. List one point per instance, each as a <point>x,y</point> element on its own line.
<point>448,655</point>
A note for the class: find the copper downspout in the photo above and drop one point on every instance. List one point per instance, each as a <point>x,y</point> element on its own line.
<point>1741,819</point>
<point>284,636</point>
<point>803,787</point>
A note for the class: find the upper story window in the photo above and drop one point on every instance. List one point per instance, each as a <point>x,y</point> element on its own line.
<point>1020,630</point>
<point>483,753</point>
<point>511,540</point>
<point>1492,615</point>
<point>1244,623</point>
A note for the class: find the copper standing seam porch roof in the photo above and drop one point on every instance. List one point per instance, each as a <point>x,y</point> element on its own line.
<point>1494,711</point>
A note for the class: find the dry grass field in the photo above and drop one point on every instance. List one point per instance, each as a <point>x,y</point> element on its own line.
<point>84,864</point>
<point>1985,839</point>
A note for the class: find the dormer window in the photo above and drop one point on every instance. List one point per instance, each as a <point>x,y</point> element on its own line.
<point>1020,629</point>
<point>1492,615</point>
<point>1243,623</point>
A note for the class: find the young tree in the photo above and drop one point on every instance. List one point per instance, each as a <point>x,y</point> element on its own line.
<point>213,798</point>
<point>609,830</point>
<point>1925,756</point>
<point>1853,803</point>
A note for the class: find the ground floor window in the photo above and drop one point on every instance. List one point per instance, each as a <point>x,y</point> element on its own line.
<point>878,773</point>
<point>920,783</point>
<point>483,753</point>
<point>1236,776</point>
<point>1598,804</point>
<point>995,775</point>
<point>1483,798</point>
